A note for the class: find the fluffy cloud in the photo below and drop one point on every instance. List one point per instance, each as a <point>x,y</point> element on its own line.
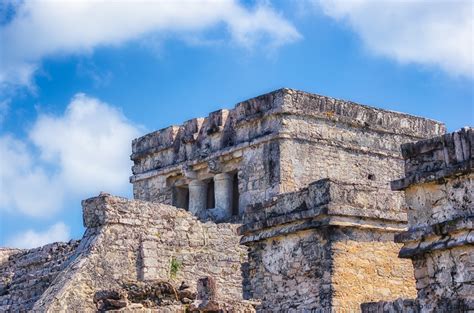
<point>40,29</point>
<point>74,155</point>
<point>33,239</point>
<point>436,32</point>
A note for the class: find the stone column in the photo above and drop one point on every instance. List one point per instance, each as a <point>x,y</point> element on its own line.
<point>197,196</point>
<point>223,192</point>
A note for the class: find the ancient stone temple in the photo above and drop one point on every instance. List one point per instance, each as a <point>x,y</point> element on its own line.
<point>282,203</point>
<point>280,142</point>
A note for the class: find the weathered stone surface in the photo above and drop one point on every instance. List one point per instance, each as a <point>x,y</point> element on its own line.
<point>327,268</point>
<point>437,158</point>
<point>26,274</point>
<point>5,253</point>
<point>439,194</point>
<point>129,241</point>
<point>397,306</point>
<point>324,201</point>
<point>305,180</point>
<point>277,143</point>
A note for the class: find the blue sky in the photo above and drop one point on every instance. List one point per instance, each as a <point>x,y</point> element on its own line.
<point>79,81</point>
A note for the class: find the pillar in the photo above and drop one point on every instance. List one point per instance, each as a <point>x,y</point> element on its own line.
<point>197,196</point>
<point>223,192</point>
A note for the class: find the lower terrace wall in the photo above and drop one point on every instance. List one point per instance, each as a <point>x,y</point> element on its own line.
<point>328,268</point>
<point>328,247</point>
<point>445,280</point>
<point>128,241</point>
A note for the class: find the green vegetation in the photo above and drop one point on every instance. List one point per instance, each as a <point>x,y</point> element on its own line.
<point>175,266</point>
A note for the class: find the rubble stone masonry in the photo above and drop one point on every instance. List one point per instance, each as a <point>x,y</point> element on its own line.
<point>327,247</point>
<point>439,189</point>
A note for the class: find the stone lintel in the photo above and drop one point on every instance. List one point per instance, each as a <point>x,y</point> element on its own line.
<point>437,158</point>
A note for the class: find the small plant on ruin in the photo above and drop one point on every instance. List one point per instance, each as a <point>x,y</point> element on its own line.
<point>175,266</point>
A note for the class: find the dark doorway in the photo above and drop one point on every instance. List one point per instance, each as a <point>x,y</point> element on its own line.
<point>181,197</point>
<point>211,200</point>
<point>235,194</point>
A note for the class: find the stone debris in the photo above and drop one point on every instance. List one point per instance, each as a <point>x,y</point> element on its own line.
<point>282,203</point>
<point>148,295</point>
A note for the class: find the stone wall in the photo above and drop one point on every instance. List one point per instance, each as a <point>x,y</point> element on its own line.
<point>134,241</point>
<point>327,138</point>
<point>291,272</point>
<point>328,247</point>
<point>276,143</point>
<point>438,186</point>
<point>366,268</point>
<point>26,274</point>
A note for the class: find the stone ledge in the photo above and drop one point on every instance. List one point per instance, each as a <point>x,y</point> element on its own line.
<point>442,236</point>
<point>440,229</point>
<point>321,221</point>
<point>325,197</point>
<point>107,209</point>
<point>459,169</point>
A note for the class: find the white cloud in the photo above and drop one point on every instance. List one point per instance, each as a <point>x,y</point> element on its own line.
<point>82,152</point>
<point>41,29</point>
<point>24,184</point>
<point>32,239</point>
<point>436,32</point>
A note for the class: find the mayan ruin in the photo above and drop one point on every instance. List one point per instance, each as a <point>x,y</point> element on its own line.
<point>288,202</point>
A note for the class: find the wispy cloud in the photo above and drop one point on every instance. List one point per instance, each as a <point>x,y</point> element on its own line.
<point>47,28</point>
<point>74,155</point>
<point>32,239</point>
<point>437,32</point>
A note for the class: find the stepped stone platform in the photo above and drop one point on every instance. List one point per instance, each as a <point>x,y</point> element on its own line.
<point>126,242</point>
<point>26,274</point>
